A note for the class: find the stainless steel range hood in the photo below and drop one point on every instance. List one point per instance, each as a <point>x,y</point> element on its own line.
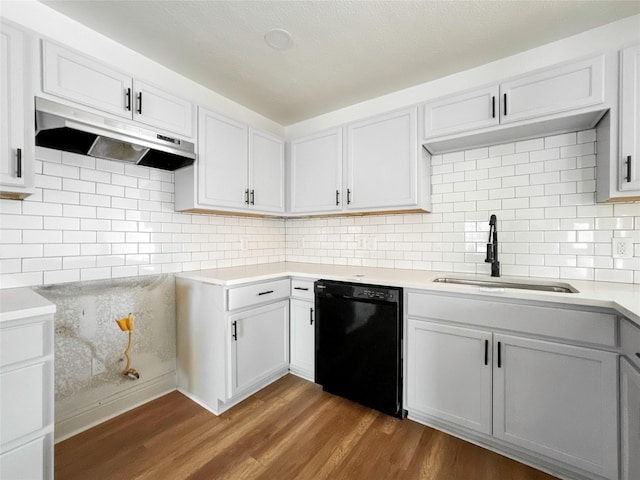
<point>66,128</point>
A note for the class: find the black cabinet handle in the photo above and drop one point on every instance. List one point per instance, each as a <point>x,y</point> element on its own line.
<point>337,197</point>
<point>348,196</point>
<point>139,103</point>
<point>246,196</point>
<point>253,197</point>
<point>505,104</point>
<point>311,316</point>
<point>235,331</point>
<point>486,352</point>
<point>493,106</point>
<point>301,288</point>
<point>499,355</point>
<point>19,163</point>
<point>265,293</point>
<point>628,163</point>
<point>638,354</point>
<point>127,95</point>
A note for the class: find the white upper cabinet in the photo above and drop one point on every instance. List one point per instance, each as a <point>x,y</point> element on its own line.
<point>222,161</point>
<point>266,172</point>
<point>382,162</point>
<point>77,78</point>
<point>560,98</point>
<point>16,135</point>
<point>467,111</point>
<point>629,171</point>
<point>158,108</point>
<point>553,90</point>
<point>316,172</point>
<point>239,169</point>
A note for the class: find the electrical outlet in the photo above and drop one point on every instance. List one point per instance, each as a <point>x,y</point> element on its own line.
<point>622,247</point>
<point>97,367</point>
<point>244,243</point>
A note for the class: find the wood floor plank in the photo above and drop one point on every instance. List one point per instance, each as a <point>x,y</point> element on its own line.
<point>289,430</point>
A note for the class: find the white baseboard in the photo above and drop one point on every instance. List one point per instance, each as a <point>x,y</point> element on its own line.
<point>113,406</point>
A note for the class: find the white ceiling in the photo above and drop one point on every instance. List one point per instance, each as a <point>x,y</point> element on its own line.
<point>343,52</point>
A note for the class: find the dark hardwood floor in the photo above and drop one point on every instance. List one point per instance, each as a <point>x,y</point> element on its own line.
<point>289,430</point>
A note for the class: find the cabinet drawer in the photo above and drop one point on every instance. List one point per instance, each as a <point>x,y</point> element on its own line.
<point>22,400</point>
<point>552,321</point>
<point>256,294</point>
<point>630,341</point>
<point>302,289</point>
<point>23,342</point>
<point>26,461</point>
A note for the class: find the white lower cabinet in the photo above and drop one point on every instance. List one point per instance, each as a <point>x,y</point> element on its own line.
<point>302,339</point>
<point>557,400</point>
<point>457,361</point>
<point>231,341</point>
<point>629,420</point>
<point>259,345</point>
<point>525,397</point>
<point>26,398</point>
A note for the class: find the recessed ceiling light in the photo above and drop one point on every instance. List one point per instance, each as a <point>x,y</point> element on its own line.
<point>278,39</point>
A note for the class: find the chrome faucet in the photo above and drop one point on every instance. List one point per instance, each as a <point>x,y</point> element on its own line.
<point>492,248</point>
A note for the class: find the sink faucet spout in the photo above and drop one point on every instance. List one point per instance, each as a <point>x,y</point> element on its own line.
<point>492,247</point>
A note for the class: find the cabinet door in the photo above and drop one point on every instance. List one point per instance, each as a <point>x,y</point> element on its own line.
<point>460,113</point>
<point>630,120</point>
<point>259,345</point>
<point>12,121</point>
<point>629,420</point>
<point>302,339</point>
<point>23,401</point>
<point>449,374</point>
<point>316,173</point>
<point>77,78</point>
<point>554,90</point>
<point>266,169</point>
<point>26,461</point>
<point>160,109</point>
<point>557,400</point>
<point>382,161</point>
<point>222,161</point>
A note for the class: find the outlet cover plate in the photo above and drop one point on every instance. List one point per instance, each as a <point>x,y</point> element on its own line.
<point>622,247</point>
<point>97,367</point>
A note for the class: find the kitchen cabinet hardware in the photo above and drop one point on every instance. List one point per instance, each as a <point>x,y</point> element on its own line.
<point>337,197</point>
<point>311,316</point>
<point>628,164</point>
<point>499,355</point>
<point>127,96</point>
<point>246,196</point>
<point>265,293</point>
<point>19,163</point>
<point>253,197</point>
<point>235,330</point>
<point>504,103</point>
<point>638,354</point>
<point>139,103</point>
<point>348,196</point>
<point>493,106</point>
<point>301,288</point>
<point>486,352</point>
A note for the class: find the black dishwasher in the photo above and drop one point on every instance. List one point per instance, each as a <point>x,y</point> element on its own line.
<point>358,340</point>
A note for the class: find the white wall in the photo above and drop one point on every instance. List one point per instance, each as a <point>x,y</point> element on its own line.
<point>543,193</point>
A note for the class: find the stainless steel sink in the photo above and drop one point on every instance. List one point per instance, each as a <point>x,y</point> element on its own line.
<point>544,287</point>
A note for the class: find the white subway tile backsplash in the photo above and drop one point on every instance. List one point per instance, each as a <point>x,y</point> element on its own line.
<point>560,140</point>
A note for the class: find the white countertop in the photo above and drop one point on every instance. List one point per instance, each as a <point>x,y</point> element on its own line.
<point>19,303</point>
<point>622,297</point>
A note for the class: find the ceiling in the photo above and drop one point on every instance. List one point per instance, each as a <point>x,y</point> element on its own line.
<point>343,52</point>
